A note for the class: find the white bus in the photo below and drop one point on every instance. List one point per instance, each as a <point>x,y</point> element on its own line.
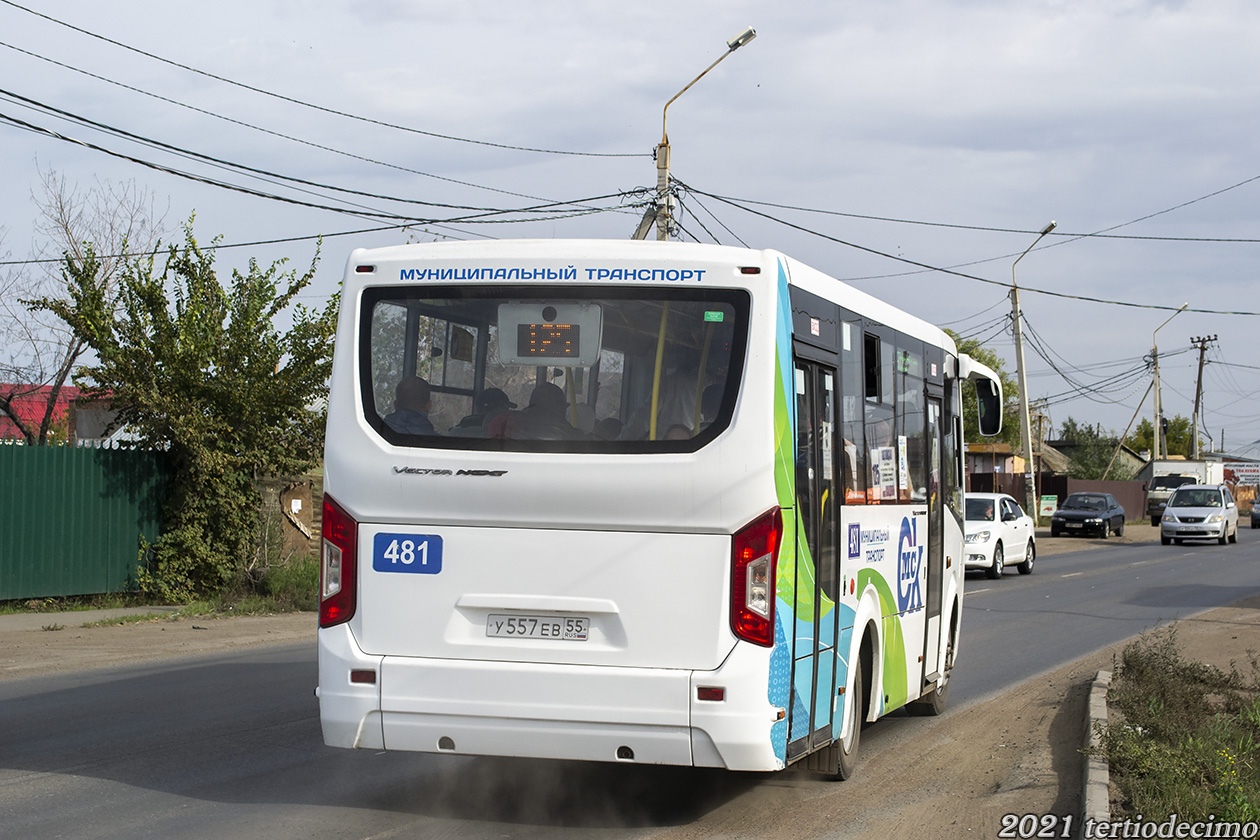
<point>635,502</point>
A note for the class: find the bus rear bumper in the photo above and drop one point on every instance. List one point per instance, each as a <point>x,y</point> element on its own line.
<point>567,712</point>
<point>349,711</point>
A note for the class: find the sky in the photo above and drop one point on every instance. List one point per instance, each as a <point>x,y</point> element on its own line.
<point>912,148</point>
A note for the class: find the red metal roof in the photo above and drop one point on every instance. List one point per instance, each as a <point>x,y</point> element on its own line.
<point>30,403</point>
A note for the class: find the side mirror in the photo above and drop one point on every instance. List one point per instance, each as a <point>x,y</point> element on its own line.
<point>988,393</point>
<point>989,407</point>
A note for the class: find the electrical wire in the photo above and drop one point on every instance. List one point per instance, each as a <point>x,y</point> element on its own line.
<point>313,106</point>
<point>712,215</point>
<point>219,162</point>
<point>1000,324</point>
<point>405,221</point>
<point>1104,233</point>
<point>996,304</point>
<point>271,132</point>
<point>953,273</point>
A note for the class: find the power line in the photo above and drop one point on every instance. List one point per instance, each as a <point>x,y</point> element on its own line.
<point>999,323</point>
<point>313,106</point>
<point>1062,235</point>
<point>177,150</point>
<point>712,215</point>
<point>484,217</point>
<point>996,304</point>
<point>269,131</point>
<point>1029,289</point>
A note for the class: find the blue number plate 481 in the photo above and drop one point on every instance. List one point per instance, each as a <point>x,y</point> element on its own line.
<point>560,627</point>
<point>417,554</point>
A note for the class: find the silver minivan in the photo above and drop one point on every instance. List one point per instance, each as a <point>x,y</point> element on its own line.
<point>1200,512</point>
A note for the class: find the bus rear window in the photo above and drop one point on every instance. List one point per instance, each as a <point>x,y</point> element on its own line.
<point>541,368</point>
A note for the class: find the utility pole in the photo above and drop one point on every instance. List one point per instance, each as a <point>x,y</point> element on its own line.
<point>664,200</point>
<point>1202,343</point>
<point>1017,318</point>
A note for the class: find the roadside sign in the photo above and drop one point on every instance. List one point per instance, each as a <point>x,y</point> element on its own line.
<point>1242,472</point>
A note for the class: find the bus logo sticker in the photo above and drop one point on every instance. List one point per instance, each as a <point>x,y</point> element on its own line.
<point>417,554</point>
<point>855,540</point>
<point>909,563</point>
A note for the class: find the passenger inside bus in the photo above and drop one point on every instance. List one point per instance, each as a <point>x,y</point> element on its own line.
<point>411,407</point>
<point>491,403</point>
<point>543,419</point>
<point>677,432</point>
<point>676,400</point>
<point>608,428</point>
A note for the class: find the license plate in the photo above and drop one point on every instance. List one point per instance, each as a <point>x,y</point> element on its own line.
<point>1075,525</point>
<point>569,628</point>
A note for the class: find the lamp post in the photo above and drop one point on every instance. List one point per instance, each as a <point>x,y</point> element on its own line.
<point>1025,423</point>
<point>663,198</point>
<point>1157,432</point>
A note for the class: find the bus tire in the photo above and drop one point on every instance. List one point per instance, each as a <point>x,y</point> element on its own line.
<point>847,747</point>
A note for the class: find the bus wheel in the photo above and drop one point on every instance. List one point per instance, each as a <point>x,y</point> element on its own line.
<point>847,747</point>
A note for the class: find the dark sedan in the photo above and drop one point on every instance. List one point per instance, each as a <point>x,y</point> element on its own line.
<point>1094,514</point>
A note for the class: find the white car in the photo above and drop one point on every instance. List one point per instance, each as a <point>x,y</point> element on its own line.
<point>998,533</point>
<point>1200,512</point>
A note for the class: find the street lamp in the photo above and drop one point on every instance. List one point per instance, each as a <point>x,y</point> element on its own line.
<point>1030,479</point>
<point>663,198</point>
<point>1158,430</point>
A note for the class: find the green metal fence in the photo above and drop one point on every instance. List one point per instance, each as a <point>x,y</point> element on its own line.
<point>71,519</point>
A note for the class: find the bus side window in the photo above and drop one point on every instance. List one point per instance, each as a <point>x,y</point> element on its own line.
<point>911,417</point>
<point>853,462</point>
<point>878,365</point>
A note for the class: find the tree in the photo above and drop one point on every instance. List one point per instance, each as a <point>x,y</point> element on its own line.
<point>40,351</point>
<point>203,372</point>
<point>1092,451</point>
<point>1010,394</point>
<point>1178,437</point>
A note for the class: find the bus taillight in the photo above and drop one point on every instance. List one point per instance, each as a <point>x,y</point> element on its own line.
<point>337,566</point>
<point>754,558</point>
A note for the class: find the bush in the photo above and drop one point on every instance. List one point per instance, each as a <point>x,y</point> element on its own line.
<point>1184,737</point>
<point>294,585</point>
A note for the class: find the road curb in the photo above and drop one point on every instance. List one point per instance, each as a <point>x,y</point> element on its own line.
<point>1096,799</point>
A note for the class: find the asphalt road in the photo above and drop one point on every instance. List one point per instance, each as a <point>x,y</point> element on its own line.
<point>1079,602</point>
<point>230,746</point>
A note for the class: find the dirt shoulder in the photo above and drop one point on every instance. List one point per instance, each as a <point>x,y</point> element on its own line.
<point>46,643</point>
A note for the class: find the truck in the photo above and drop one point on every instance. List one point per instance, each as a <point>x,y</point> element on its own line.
<point>1163,477</point>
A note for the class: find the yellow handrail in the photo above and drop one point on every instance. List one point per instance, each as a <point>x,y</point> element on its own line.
<point>656,375</point>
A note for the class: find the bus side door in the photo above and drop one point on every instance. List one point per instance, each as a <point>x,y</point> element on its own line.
<point>817,560</point>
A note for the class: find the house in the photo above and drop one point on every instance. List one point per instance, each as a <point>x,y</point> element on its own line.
<point>76,418</point>
<point>1124,461</point>
<point>993,458</point>
<point>29,402</point>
